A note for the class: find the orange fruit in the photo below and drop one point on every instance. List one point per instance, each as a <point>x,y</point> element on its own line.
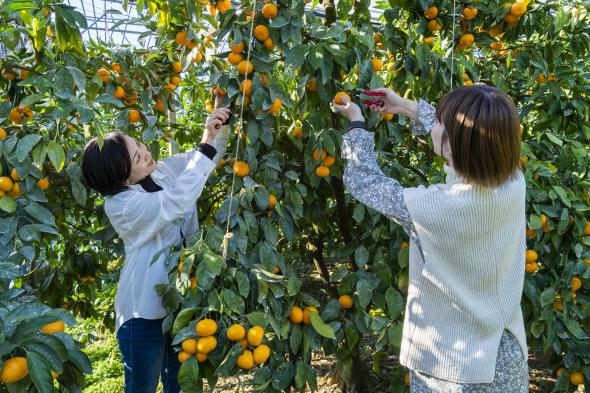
<point>14,370</point>
<point>264,79</point>
<point>387,116</point>
<point>181,37</point>
<point>298,132</point>
<point>245,360</point>
<point>54,374</point>
<point>404,244</point>
<point>467,39</point>
<point>531,256</point>
<point>345,301</point>
<point>306,319</point>
<point>234,58</point>
<point>134,116</point>
<point>236,332</point>
<point>431,12</point>
<point>246,87</point>
<point>587,229</point>
<point>206,327</point>
<point>117,67</point>
<point>261,354</point>
<point>193,282</point>
<point>557,304</point>
<point>376,37</point>
<point>276,270</point>
<point>296,315</point>
<point>6,184</point>
<point>312,85</point>
<point>212,9</point>
<point>577,378</point>
<point>2,134</point>
<point>206,344</point>
<point>518,9</point>
<point>338,97</point>
<point>104,74</point>
<point>170,87</point>
<point>223,6</point>
<point>9,76</point>
<point>190,345</point>
<point>276,106</point>
<point>15,116</point>
<point>119,92</point>
<point>496,45</point>
<point>237,48</point>
<point>261,32</point>
<point>198,57</point>
<point>322,171</point>
<point>183,356</point>
<point>177,66</point>
<point>329,161</point>
<point>245,67</point>
<point>426,41</point>
<point>531,233</point>
<point>54,327</point>
<point>14,175</point>
<point>270,11</point>
<point>434,26</point>
<point>201,357</point>
<point>159,106</point>
<point>469,13</point>
<point>511,19</point>
<point>268,44</point>
<point>586,261</point>
<point>316,154</point>
<point>255,335</point>
<point>244,343</point>
<point>241,168</point>
<point>24,73</point>
<point>560,370</point>
<point>377,64</point>
<point>272,201</point>
<point>543,220</point>
<point>531,267</point>
<point>175,80</point>
<point>576,283</point>
<point>15,192</point>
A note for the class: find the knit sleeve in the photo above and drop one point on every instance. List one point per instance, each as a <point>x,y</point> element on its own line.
<point>368,184</point>
<point>426,119</point>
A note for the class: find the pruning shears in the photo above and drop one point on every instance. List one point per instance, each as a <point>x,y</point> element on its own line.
<point>358,92</point>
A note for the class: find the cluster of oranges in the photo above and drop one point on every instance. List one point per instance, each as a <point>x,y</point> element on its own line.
<point>251,339</point>
<point>18,114</point>
<point>326,162</point>
<point>11,185</point>
<point>16,369</point>
<point>575,378</point>
<point>298,315</point>
<point>516,11</point>
<point>531,261</point>
<point>206,328</point>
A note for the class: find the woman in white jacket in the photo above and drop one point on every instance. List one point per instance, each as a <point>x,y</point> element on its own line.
<point>463,325</point>
<point>152,206</point>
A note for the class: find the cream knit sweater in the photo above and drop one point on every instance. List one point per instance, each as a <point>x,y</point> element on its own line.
<point>466,287</point>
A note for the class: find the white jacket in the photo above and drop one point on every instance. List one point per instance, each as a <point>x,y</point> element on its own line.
<point>150,222</point>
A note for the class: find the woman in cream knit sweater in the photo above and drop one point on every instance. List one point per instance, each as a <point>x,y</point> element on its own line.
<point>463,325</point>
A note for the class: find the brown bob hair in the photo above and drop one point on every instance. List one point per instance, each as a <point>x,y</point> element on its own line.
<point>483,130</point>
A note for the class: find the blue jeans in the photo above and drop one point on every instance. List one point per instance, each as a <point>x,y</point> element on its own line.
<point>147,353</point>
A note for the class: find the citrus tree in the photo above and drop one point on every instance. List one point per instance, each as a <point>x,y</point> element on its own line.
<point>237,302</point>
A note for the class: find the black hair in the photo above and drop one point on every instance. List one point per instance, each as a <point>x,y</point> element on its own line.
<point>107,169</point>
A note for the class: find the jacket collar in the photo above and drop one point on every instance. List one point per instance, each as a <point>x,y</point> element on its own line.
<point>452,177</point>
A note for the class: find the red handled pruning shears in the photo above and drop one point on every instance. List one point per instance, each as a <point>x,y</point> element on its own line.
<point>378,102</point>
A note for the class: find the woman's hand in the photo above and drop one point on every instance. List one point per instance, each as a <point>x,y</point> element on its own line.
<point>395,104</point>
<point>349,110</point>
<point>213,124</point>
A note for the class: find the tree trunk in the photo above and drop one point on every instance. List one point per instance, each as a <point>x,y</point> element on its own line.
<point>330,11</point>
<point>343,224</point>
<point>317,255</point>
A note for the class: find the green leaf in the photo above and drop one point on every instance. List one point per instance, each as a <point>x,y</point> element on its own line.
<point>394,335</point>
<point>295,338</point>
<point>395,303</point>
<point>243,283</point>
<point>293,286</point>
<point>40,213</point>
<point>547,296</point>
<point>361,256</point>
<point>78,76</point>
<point>56,155</point>
<point>188,376</point>
<point>258,318</point>
<point>7,204</point>
<point>562,195</point>
<point>182,319</point>
<point>80,359</point>
<point>320,327</point>
<point>25,145</point>
<point>39,372</point>
<point>213,261</point>
<point>574,327</point>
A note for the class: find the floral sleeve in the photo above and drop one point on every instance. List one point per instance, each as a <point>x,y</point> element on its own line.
<point>426,116</point>
<point>369,185</point>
